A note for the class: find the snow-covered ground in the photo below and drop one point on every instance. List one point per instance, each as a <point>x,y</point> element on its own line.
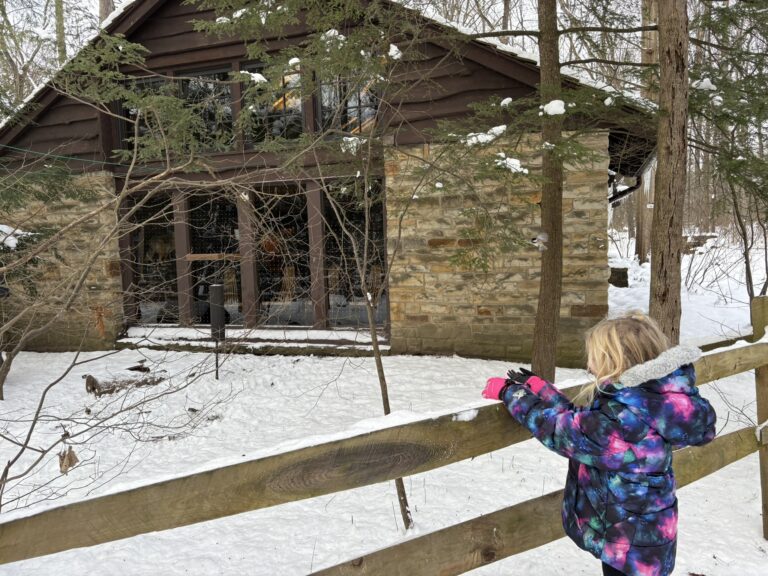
<point>268,402</point>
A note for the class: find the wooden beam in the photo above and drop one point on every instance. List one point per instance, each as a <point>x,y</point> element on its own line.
<point>530,524</point>
<point>183,265</point>
<point>721,364</point>
<point>304,473</point>
<point>249,278</point>
<point>334,466</point>
<point>127,266</point>
<point>759,313</point>
<point>218,257</point>
<point>316,223</point>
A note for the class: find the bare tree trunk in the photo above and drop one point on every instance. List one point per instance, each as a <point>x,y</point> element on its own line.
<point>548,310</point>
<point>505,19</point>
<point>666,237</point>
<point>106,7</point>
<point>61,39</point>
<point>649,55</point>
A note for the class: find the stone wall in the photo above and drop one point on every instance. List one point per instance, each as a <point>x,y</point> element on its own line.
<point>94,318</point>
<point>437,306</point>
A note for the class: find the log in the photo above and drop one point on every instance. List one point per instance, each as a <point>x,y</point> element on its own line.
<point>510,531</point>
<point>759,313</point>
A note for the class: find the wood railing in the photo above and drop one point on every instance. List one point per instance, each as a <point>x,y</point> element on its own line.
<point>373,457</point>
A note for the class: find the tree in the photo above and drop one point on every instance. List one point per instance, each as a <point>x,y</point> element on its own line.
<point>550,287</point>
<point>667,234</point>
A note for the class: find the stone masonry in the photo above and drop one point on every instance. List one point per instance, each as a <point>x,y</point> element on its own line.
<point>93,319</point>
<point>438,307</point>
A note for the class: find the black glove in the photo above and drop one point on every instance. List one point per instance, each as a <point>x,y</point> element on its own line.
<point>519,376</point>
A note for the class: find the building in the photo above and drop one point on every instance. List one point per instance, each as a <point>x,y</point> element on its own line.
<point>272,235</point>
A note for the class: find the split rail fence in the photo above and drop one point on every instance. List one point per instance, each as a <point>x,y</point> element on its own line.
<point>379,456</point>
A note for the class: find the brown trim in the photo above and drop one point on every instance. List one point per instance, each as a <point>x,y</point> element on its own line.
<point>212,257</point>
<point>127,262</point>
<point>319,290</point>
<point>183,265</point>
<point>249,277</point>
<point>106,135</point>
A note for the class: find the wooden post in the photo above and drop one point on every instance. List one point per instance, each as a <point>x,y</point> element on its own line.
<point>183,265</point>
<point>249,280</point>
<point>317,254</point>
<point>759,310</point>
<point>127,266</point>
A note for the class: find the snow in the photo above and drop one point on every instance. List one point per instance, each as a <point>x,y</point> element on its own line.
<point>9,236</point>
<point>333,35</point>
<point>351,144</point>
<point>554,108</point>
<point>609,101</point>
<point>511,164</point>
<point>704,84</point>
<point>294,62</point>
<point>394,52</point>
<point>715,302</point>
<point>506,102</point>
<point>474,138</point>
<point>270,404</point>
<point>257,78</point>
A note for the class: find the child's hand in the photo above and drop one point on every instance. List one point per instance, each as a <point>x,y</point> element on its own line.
<point>493,388</point>
<point>527,378</point>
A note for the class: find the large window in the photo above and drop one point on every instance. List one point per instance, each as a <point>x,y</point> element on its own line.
<point>272,113</point>
<point>350,211</point>
<point>210,95</point>
<point>347,106</point>
<point>148,122</point>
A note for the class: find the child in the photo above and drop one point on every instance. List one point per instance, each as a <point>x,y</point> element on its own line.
<point>620,502</point>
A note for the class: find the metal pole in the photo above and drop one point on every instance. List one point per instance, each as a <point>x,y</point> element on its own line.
<point>218,328</point>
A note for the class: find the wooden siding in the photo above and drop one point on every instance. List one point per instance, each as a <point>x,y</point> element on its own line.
<point>65,128</point>
<point>438,84</point>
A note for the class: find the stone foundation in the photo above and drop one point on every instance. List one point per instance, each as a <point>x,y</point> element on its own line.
<point>94,317</point>
<point>438,307</point>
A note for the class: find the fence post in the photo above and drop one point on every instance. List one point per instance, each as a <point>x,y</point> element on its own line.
<point>759,320</point>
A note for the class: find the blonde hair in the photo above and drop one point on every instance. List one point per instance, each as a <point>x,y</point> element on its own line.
<point>614,345</point>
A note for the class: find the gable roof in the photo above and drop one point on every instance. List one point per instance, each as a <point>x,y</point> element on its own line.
<point>489,52</point>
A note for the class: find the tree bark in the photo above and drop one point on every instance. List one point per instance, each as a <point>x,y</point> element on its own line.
<point>667,232</point>
<point>106,7</point>
<point>548,310</point>
<point>649,55</point>
<point>61,39</point>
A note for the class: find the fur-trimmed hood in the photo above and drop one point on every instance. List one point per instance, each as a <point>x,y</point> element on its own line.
<point>662,392</point>
<point>664,364</point>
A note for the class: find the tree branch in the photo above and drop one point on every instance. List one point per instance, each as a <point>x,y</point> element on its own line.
<point>606,61</point>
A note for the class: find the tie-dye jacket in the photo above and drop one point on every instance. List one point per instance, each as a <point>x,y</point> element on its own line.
<point>620,502</point>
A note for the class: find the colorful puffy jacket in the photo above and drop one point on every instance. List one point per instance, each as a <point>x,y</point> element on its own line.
<point>620,502</point>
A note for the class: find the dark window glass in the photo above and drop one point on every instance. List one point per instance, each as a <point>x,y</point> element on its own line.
<point>273,114</point>
<point>347,106</point>
<point>148,122</point>
<point>210,93</point>
<point>362,212</point>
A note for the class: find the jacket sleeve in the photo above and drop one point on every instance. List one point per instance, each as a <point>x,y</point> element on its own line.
<point>686,419</point>
<point>599,437</point>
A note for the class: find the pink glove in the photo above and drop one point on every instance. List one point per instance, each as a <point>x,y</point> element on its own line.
<point>493,388</point>
<point>535,384</point>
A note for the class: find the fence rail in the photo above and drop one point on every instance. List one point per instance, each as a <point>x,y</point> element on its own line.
<point>361,460</point>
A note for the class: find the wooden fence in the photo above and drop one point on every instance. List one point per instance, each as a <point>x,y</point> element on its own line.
<point>374,457</point>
